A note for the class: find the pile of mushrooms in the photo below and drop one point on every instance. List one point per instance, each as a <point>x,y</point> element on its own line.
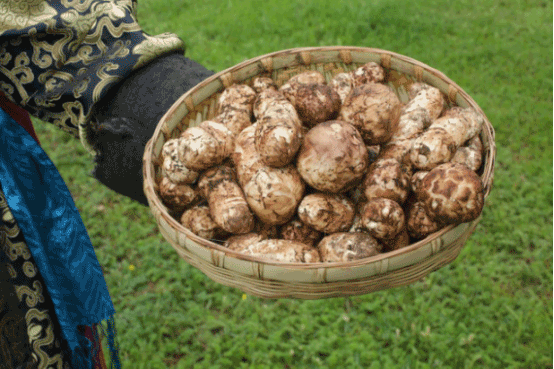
<point>316,171</point>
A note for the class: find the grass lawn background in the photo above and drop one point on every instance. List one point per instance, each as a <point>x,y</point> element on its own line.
<point>490,308</point>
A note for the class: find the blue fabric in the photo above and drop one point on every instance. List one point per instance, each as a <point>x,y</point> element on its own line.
<point>56,237</point>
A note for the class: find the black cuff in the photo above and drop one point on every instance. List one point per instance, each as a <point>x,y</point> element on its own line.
<point>128,115</point>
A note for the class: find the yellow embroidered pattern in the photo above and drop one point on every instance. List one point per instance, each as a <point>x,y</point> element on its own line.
<point>58,57</point>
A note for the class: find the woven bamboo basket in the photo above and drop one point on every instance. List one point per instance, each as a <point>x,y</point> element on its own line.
<point>268,279</point>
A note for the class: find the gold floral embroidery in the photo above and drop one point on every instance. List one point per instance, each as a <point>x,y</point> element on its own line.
<point>154,46</point>
<point>16,249</point>
<point>17,14</point>
<point>45,346</point>
<point>29,269</point>
<point>42,338</point>
<point>33,296</point>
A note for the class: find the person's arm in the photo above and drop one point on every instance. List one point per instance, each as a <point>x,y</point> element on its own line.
<point>65,62</point>
<point>128,115</point>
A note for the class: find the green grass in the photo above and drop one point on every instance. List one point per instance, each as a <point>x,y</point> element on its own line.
<point>490,308</point>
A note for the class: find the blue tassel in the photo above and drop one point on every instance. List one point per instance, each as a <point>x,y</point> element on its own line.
<point>113,344</point>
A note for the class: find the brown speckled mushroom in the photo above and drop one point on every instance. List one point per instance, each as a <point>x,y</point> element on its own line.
<point>416,87</point>
<point>374,110</point>
<point>333,157</point>
<point>397,150</point>
<point>234,120</point>
<point>177,196</point>
<point>239,241</point>
<point>297,231</point>
<point>368,73</point>
<point>279,129</point>
<point>316,103</point>
<point>199,221</point>
<point>172,167</point>
<point>282,251</point>
<point>383,218</point>
<point>387,178</point>
<point>342,84</point>
<point>228,206</point>
<point>274,193</point>
<point>328,213</point>
<point>471,154</point>
<point>430,99</point>
<point>418,223</point>
<point>271,98</point>
<point>461,124</point>
<point>206,145</point>
<point>278,139</point>
<point>263,83</point>
<point>310,77</point>
<point>452,193</point>
<point>312,98</point>
<point>411,124</point>
<point>237,97</point>
<point>435,146</point>
<point>346,246</point>
<point>245,156</point>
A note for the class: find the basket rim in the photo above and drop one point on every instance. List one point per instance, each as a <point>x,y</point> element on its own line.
<point>303,56</point>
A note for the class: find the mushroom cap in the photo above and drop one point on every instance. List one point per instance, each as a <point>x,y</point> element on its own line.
<point>206,145</point>
<point>435,146</point>
<point>245,156</point>
<point>308,77</point>
<point>177,173</point>
<point>234,120</point>
<point>471,154</point>
<point>415,87</point>
<point>368,73</point>
<point>387,178</point>
<point>228,206</point>
<point>199,221</point>
<point>274,193</point>
<point>274,103</point>
<point>463,124</point>
<point>239,241</point>
<point>325,212</point>
<point>177,196</point>
<point>282,251</point>
<point>263,83</point>
<point>333,157</point>
<point>397,150</point>
<point>383,218</point>
<point>342,84</point>
<point>212,177</point>
<point>418,223</point>
<point>297,231</point>
<point>316,103</point>
<point>170,149</point>
<point>411,124</point>
<point>452,193</point>
<point>277,140</point>
<point>374,110</point>
<point>237,97</point>
<point>348,246</point>
<point>430,99</point>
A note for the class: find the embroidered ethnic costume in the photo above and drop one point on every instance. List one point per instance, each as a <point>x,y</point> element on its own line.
<point>57,60</point>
